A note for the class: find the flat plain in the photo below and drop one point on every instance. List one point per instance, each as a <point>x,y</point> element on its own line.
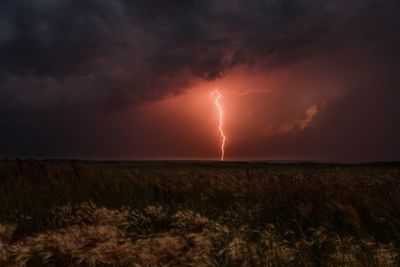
<point>84,213</point>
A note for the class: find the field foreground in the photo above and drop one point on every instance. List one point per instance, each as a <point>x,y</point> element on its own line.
<point>71,213</point>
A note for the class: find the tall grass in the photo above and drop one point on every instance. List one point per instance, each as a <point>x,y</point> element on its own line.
<point>144,214</point>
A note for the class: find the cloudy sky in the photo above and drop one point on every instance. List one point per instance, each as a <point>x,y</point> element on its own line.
<point>131,79</point>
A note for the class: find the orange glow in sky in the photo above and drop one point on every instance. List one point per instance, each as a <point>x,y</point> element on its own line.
<point>217,101</point>
<point>237,117</point>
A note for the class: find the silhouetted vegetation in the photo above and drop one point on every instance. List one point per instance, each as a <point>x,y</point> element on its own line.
<point>68,213</point>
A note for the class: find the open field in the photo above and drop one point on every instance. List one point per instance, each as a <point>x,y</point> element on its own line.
<point>73,213</point>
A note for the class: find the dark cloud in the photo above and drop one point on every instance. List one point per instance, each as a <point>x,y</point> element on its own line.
<point>143,45</point>
<point>64,64</point>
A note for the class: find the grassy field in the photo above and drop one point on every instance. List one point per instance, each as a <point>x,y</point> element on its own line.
<point>73,213</point>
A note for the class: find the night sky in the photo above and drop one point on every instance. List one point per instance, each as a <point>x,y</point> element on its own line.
<point>131,79</point>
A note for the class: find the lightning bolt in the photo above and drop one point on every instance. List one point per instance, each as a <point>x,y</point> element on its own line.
<point>242,93</point>
<point>217,102</point>
<point>218,106</point>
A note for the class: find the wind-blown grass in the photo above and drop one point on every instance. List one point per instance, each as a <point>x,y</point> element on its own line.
<point>165,214</point>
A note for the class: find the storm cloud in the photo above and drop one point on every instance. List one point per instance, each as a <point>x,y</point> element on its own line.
<point>69,68</point>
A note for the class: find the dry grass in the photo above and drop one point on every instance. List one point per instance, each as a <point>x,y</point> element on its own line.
<point>76,214</point>
<point>100,236</point>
